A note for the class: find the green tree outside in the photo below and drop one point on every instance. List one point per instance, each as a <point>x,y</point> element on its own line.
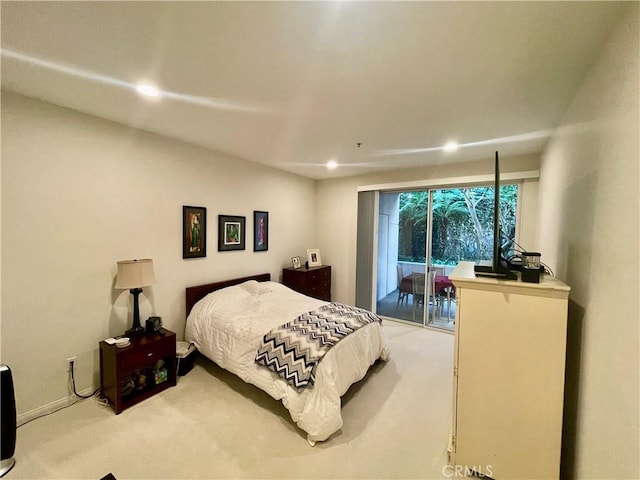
<point>462,224</point>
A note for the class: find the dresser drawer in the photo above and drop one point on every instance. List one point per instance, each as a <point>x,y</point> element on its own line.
<point>320,276</point>
<point>314,282</point>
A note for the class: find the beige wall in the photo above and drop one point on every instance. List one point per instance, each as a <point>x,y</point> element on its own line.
<point>589,227</point>
<point>79,194</point>
<point>337,202</point>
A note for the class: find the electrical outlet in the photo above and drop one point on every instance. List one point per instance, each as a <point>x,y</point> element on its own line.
<point>69,360</point>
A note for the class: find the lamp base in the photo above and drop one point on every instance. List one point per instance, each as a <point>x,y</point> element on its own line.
<point>6,465</point>
<point>139,330</point>
<point>136,328</point>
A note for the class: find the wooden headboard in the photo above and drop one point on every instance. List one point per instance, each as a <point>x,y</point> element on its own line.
<point>197,292</point>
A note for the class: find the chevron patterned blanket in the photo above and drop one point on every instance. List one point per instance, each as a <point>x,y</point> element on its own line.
<point>294,349</point>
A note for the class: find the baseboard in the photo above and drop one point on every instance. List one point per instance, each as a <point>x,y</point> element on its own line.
<point>51,407</point>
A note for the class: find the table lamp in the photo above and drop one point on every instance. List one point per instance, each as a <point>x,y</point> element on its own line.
<point>135,274</point>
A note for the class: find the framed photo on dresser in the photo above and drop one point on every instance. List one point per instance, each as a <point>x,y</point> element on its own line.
<point>313,257</point>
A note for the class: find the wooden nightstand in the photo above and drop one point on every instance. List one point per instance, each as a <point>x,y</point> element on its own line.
<point>313,281</point>
<point>128,374</point>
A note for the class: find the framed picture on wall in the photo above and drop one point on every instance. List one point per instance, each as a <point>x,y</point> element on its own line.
<point>260,231</point>
<point>194,232</point>
<point>231,233</point>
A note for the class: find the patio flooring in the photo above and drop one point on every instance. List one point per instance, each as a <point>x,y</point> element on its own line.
<point>387,307</point>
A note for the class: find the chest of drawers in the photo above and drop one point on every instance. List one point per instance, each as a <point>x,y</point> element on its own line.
<point>313,281</point>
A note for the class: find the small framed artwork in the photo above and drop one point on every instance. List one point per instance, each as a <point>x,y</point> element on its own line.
<point>313,257</point>
<point>260,231</point>
<point>194,232</point>
<point>231,233</point>
<point>295,262</point>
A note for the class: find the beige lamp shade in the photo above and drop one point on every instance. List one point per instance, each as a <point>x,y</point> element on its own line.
<point>135,273</point>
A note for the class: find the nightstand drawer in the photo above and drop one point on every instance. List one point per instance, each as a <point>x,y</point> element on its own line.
<point>137,359</point>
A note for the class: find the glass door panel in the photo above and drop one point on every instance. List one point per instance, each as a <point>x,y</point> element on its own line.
<point>447,214</point>
<point>401,261</point>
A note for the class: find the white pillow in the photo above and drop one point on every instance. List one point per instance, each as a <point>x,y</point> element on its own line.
<point>255,288</point>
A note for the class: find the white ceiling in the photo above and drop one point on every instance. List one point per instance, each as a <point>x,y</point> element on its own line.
<point>294,84</point>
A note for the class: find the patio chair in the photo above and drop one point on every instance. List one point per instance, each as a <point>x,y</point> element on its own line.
<point>437,270</point>
<point>441,293</point>
<point>417,280</point>
<point>404,287</point>
<point>451,299</point>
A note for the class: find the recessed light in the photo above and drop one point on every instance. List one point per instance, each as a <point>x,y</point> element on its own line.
<point>450,147</point>
<point>332,164</point>
<point>147,90</point>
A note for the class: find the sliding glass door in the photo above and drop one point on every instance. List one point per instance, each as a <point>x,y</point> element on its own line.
<point>421,236</point>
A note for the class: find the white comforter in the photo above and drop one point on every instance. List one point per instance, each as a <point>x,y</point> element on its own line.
<point>227,325</point>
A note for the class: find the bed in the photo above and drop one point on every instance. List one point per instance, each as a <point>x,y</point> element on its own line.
<point>227,321</point>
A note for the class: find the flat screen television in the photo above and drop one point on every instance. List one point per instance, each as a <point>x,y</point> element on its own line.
<point>498,267</point>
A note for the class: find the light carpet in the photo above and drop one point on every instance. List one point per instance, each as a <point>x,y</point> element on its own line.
<point>212,425</point>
